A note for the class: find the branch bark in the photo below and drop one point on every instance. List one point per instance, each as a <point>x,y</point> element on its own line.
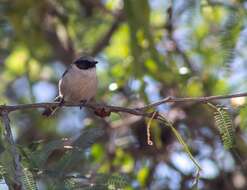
<point>203,99</point>
<point>13,150</point>
<point>141,111</point>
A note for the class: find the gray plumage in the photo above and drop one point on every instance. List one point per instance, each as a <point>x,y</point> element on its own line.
<point>78,83</point>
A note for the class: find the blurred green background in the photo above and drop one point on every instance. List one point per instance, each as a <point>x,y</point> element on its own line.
<point>148,50</point>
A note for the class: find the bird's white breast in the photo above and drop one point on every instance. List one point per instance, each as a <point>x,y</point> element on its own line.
<point>78,84</point>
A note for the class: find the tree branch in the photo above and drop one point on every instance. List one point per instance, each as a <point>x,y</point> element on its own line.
<point>141,111</point>
<point>170,28</point>
<point>203,99</point>
<point>104,41</point>
<point>13,151</point>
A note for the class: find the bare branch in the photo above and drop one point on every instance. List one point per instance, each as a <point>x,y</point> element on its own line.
<point>203,99</point>
<point>134,111</point>
<point>107,36</point>
<point>170,28</point>
<point>13,150</point>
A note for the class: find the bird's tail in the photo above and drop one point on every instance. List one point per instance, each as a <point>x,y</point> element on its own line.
<point>51,110</point>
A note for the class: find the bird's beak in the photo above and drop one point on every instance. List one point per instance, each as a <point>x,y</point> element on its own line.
<point>95,62</point>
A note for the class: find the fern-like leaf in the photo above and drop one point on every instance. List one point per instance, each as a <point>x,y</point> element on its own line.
<point>70,184</point>
<point>28,180</point>
<point>224,124</point>
<point>116,181</point>
<point>229,35</point>
<point>108,181</point>
<point>2,172</point>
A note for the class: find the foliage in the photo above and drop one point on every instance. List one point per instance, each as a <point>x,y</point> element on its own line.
<point>147,50</point>
<point>224,124</point>
<point>28,180</point>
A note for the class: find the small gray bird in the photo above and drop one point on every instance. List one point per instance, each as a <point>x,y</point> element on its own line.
<point>78,83</point>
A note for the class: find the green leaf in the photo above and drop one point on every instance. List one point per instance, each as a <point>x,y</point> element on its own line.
<point>229,35</point>
<point>108,181</point>
<point>7,168</point>
<point>142,176</point>
<point>194,87</point>
<point>186,147</point>
<point>16,61</point>
<point>243,117</point>
<point>111,181</point>
<point>28,180</point>
<point>224,124</point>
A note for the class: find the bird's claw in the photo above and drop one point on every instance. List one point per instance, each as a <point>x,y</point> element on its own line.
<point>61,102</point>
<point>83,102</point>
<point>102,112</point>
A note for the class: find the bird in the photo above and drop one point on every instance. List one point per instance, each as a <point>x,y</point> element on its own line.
<point>78,83</point>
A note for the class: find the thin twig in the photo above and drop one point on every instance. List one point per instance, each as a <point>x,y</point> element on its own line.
<point>203,99</point>
<point>13,151</point>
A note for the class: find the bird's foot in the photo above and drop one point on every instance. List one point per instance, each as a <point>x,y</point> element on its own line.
<point>83,102</point>
<point>102,111</point>
<point>61,102</point>
<point>50,110</point>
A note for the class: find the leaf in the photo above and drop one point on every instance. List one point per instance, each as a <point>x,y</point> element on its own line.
<point>15,62</point>
<point>28,180</point>
<point>224,124</point>
<point>2,171</point>
<point>67,184</point>
<point>186,147</point>
<point>142,176</point>
<point>109,181</point>
<point>116,181</point>
<point>229,35</point>
<point>70,184</point>
<point>183,143</point>
<point>6,167</point>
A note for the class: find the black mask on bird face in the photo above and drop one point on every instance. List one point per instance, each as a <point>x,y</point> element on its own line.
<point>85,63</point>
